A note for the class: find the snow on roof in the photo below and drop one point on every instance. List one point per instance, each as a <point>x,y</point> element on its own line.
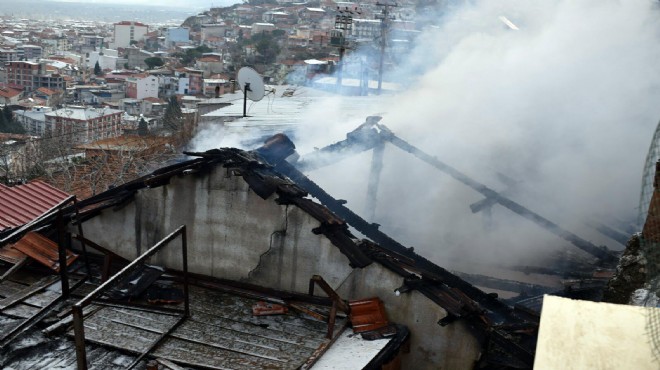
<point>82,114</point>
<point>315,61</point>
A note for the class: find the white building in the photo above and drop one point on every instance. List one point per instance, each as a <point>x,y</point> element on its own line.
<point>213,30</point>
<point>33,121</point>
<point>175,35</point>
<point>107,59</point>
<point>367,29</point>
<point>142,86</point>
<point>127,31</point>
<point>262,27</point>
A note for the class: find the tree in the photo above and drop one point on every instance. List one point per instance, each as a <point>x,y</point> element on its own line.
<point>8,124</point>
<point>3,123</point>
<point>153,62</point>
<point>173,118</point>
<point>278,33</point>
<point>191,54</point>
<point>268,49</point>
<point>9,115</point>
<point>143,127</point>
<point>97,69</point>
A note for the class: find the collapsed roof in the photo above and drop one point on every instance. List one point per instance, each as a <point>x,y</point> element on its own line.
<point>507,333</point>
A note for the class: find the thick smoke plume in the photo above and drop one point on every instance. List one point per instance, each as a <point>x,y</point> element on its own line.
<point>557,114</point>
<point>564,108</point>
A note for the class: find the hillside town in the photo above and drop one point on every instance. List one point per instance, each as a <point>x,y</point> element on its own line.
<point>71,86</point>
<point>331,185</point>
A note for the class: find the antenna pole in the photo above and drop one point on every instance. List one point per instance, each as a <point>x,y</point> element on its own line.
<point>246,88</point>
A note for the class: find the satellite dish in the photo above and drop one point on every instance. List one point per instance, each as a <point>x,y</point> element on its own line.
<point>252,85</point>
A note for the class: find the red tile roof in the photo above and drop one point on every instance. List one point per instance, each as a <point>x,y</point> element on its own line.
<point>8,92</point>
<point>23,203</point>
<point>46,91</point>
<point>210,58</point>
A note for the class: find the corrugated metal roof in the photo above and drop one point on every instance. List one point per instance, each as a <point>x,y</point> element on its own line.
<point>44,250</point>
<point>23,203</point>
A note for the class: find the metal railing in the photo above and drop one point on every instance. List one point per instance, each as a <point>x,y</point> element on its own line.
<point>77,309</point>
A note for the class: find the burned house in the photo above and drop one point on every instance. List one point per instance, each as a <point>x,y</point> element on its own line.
<point>249,227</point>
<point>254,239</point>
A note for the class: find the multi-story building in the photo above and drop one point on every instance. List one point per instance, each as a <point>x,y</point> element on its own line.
<point>32,75</point>
<point>365,29</point>
<point>91,42</point>
<point>213,29</point>
<point>33,121</point>
<point>56,44</point>
<point>210,63</point>
<point>31,52</point>
<point>136,57</point>
<point>142,86</point>
<point>275,16</point>
<point>106,58</point>
<point>191,81</point>
<point>262,27</point>
<point>51,97</point>
<point>127,31</point>
<point>83,125</point>
<point>8,55</point>
<point>176,35</point>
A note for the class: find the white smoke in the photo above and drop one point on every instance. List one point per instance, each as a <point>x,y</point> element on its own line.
<point>565,106</point>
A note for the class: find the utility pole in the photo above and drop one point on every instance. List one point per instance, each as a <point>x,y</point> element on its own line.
<point>385,18</point>
<point>343,26</point>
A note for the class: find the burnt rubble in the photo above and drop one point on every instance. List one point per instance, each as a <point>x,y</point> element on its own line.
<point>630,274</point>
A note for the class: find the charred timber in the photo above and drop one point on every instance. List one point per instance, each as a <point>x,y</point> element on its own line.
<point>372,232</point>
<point>365,137</point>
<point>602,253</point>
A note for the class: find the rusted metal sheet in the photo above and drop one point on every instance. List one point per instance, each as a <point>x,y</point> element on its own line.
<point>43,250</point>
<point>23,203</point>
<point>367,314</point>
<point>262,308</point>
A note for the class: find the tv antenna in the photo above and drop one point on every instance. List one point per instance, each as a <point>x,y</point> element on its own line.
<point>252,85</point>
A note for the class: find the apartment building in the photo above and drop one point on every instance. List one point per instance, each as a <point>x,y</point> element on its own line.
<point>82,125</point>
<point>142,86</point>
<point>127,31</point>
<point>32,75</point>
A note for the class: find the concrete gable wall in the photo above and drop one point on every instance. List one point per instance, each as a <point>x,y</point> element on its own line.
<point>233,233</point>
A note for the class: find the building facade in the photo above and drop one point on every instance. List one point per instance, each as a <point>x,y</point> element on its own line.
<point>176,35</point>
<point>32,75</point>
<point>127,31</point>
<point>78,125</point>
<point>142,86</point>
<point>33,121</point>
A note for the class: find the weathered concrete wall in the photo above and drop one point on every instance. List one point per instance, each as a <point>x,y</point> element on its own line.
<point>233,233</point>
<point>451,347</point>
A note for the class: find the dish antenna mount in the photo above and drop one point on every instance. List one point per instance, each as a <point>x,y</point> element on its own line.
<point>252,85</point>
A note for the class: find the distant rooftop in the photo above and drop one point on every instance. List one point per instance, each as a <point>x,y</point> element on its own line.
<point>82,114</point>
